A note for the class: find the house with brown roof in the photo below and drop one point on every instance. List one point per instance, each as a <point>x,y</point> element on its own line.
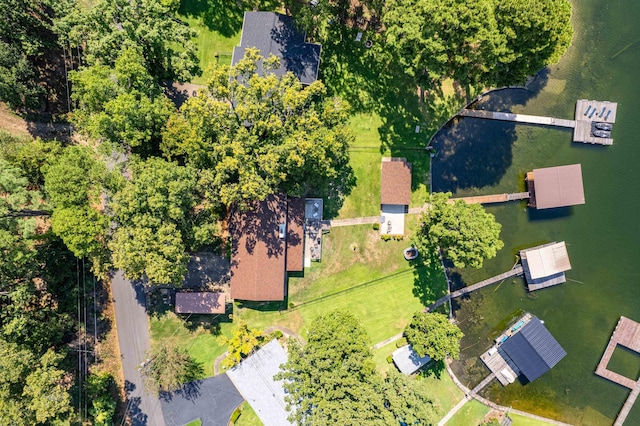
<point>267,242</point>
<point>395,194</point>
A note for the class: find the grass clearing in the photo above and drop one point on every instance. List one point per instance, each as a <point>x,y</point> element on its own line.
<point>198,335</point>
<point>350,255</point>
<point>248,417</point>
<point>471,414</point>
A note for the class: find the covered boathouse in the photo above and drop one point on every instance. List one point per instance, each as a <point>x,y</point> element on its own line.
<point>545,265</point>
<point>526,350</point>
<point>554,187</point>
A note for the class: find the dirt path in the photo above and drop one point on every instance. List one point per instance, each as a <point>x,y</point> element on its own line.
<point>18,126</point>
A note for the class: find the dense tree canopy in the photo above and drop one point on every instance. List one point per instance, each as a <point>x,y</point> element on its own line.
<point>25,35</point>
<point>146,26</point>
<point>479,43</point>
<point>465,232</point>
<point>332,380</point>
<point>122,105</point>
<point>262,134</point>
<point>432,334</point>
<point>32,387</point>
<point>160,216</point>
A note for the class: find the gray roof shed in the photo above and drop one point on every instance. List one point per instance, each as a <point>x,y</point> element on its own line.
<point>408,361</point>
<point>533,350</point>
<point>275,34</point>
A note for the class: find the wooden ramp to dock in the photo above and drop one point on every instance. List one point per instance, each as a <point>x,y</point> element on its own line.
<point>517,270</point>
<point>496,198</point>
<point>519,118</point>
<point>627,334</point>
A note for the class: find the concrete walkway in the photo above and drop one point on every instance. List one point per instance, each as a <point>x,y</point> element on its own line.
<point>387,341</point>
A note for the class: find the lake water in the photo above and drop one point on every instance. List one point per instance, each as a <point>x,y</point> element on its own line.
<point>602,236</point>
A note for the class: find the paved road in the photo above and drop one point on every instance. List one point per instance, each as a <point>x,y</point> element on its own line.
<point>133,336</point>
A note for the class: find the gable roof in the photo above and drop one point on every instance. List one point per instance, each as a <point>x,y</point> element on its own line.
<point>275,34</point>
<point>558,186</point>
<point>199,303</point>
<point>533,350</point>
<point>395,187</point>
<point>547,260</point>
<point>257,252</point>
<point>253,377</point>
<point>295,234</point>
<point>408,361</point>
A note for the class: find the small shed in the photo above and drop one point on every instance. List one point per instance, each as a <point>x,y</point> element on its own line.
<point>554,187</point>
<point>395,194</point>
<point>200,303</point>
<point>545,265</point>
<point>408,361</point>
<point>533,350</point>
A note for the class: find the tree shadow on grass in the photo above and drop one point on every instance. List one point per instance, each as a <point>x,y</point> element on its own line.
<point>434,370</point>
<point>223,16</point>
<point>429,280</point>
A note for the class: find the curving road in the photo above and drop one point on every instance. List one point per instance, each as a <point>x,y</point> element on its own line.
<point>132,325</point>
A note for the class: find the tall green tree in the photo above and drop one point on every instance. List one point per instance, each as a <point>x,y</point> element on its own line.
<point>74,182</point>
<point>410,401</point>
<point>243,342</point>
<point>150,27</point>
<point>159,214</point>
<point>170,367</point>
<point>33,389</point>
<point>332,378</point>
<point>433,335</point>
<point>480,43</point>
<point>465,232</point>
<point>121,104</point>
<point>262,134</point>
<point>537,32</point>
<point>25,36</point>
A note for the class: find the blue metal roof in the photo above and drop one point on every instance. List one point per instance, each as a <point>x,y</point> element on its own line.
<point>533,350</point>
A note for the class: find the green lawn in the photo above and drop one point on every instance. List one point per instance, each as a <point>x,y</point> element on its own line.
<point>471,414</point>
<point>350,255</point>
<point>218,24</point>
<point>519,420</point>
<point>200,339</point>
<point>248,416</point>
<point>383,307</point>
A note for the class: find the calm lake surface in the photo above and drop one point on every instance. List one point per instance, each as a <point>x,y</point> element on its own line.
<point>603,236</point>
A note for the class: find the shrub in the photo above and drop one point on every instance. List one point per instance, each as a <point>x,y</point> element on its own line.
<point>235,415</point>
<point>385,237</point>
<point>376,226</point>
<point>402,342</point>
<point>276,335</point>
<point>390,359</point>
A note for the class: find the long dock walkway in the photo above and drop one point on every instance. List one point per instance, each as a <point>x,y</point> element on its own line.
<point>519,118</point>
<point>627,334</point>
<point>496,198</point>
<point>517,270</point>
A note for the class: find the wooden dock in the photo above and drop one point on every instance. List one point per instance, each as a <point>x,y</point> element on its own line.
<point>586,115</point>
<point>627,334</point>
<point>590,112</point>
<point>519,118</point>
<point>517,270</point>
<point>489,199</point>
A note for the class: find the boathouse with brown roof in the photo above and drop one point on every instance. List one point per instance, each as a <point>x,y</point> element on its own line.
<point>554,187</point>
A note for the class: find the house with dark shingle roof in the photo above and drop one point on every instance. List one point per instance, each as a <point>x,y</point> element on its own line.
<point>395,194</point>
<point>267,242</point>
<point>276,34</point>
